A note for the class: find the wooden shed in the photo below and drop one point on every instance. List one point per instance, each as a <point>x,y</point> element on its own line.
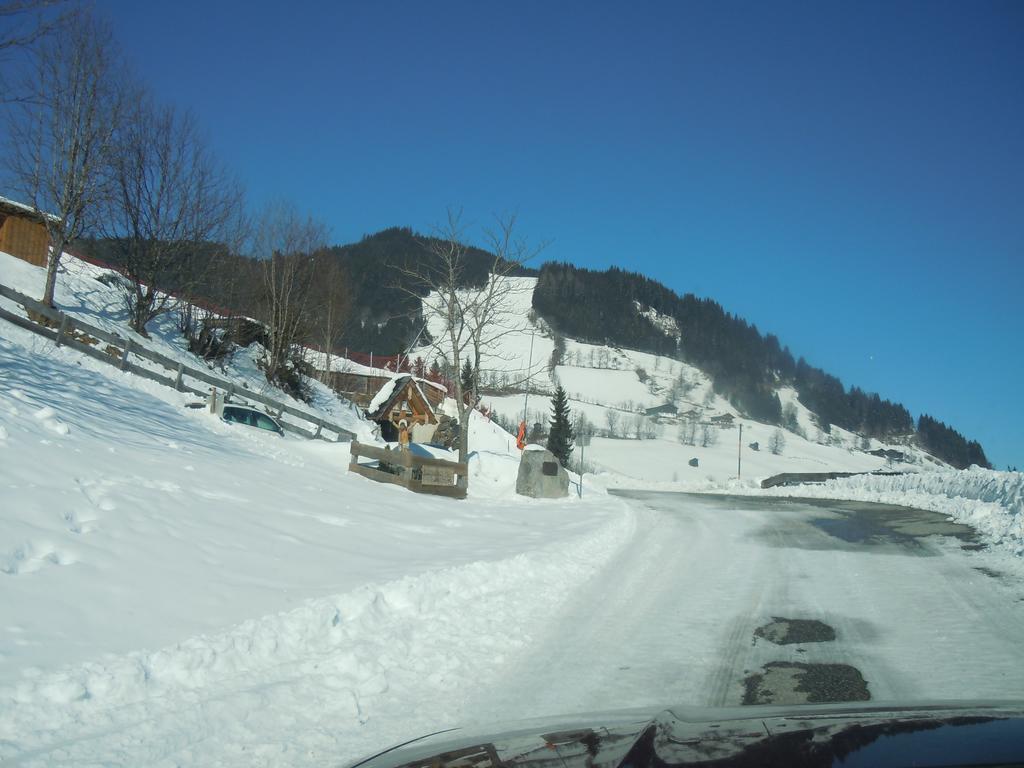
<point>22,233</point>
<point>361,388</point>
<point>402,410</point>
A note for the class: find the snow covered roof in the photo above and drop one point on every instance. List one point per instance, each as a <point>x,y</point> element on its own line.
<point>385,393</point>
<point>434,384</point>
<point>28,210</point>
<point>390,391</point>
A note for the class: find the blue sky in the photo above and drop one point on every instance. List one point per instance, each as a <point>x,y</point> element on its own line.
<point>849,176</point>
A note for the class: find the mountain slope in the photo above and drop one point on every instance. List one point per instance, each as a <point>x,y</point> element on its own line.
<point>630,310</point>
<point>614,308</point>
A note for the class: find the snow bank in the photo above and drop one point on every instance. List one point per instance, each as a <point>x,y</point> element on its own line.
<point>339,675</point>
<point>990,501</point>
<point>178,590</point>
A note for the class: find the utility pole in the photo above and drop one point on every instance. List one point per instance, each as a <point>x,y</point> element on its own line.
<point>529,375</point>
<point>739,451</point>
<point>582,441</point>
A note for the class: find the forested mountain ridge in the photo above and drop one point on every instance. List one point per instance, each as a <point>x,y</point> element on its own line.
<point>747,367</point>
<point>614,307</point>
<point>386,316</point>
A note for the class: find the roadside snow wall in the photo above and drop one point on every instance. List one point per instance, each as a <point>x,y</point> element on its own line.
<point>990,501</point>
<point>322,684</point>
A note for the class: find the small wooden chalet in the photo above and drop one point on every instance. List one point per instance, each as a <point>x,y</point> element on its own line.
<point>360,388</point>
<point>403,412</point>
<point>23,233</point>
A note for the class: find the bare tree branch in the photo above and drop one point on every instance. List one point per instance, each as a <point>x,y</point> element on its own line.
<point>61,136</point>
<point>286,243</point>
<point>473,318</point>
<point>173,208</point>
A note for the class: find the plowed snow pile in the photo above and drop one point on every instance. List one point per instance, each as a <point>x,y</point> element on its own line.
<point>990,501</point>
<point>178,590</point>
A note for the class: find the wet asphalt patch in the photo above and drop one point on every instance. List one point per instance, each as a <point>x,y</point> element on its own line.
<point>874,524</point>
<point>793,682</point>
<point>783,631</point>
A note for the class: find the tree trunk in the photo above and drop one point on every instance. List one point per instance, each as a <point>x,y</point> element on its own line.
<point>463,481</point>
<point>52,266</point>
<point>141,314</point>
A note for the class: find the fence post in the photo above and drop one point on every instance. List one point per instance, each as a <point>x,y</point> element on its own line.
<point>62,329</point>
<point>124,357</point>
<point>177,381</point>
<point>230,393</point>
<point>319,428</point>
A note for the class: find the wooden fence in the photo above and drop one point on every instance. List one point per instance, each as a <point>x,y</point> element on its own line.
<point>85,338</point>
<point>417,473</point>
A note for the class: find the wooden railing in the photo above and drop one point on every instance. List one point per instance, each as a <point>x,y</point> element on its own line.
<point>420,474</point>
<point>75,334</point>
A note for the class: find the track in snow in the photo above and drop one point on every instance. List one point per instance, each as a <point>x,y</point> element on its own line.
<point>671,620</point>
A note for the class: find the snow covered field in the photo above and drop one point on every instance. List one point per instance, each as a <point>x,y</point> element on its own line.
<point>613,386</point>
<point>167,579</point>
<point>175,590</point>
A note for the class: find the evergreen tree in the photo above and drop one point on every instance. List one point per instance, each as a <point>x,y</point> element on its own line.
<point>419,368</point>
<point>560,436</point>
<point>467,380</point>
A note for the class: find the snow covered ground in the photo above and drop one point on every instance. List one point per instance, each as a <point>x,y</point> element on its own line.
<point>612,387</point>
<point>672,620</point>
<point>175,590</point>
<point>168,580</point>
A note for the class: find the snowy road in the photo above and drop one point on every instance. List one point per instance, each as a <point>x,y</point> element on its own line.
<point>647,606</point>
<point>673,618</point>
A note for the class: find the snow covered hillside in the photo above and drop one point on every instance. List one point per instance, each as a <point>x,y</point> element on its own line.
<point>167,577</point>
<point>613,388</point>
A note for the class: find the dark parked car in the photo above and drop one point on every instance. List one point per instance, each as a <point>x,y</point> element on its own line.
<point>243,414</point>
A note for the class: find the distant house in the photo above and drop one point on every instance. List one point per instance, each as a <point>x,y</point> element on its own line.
<point>888,453</point>
<point>722,420</point>
<point>401,406</point>
<point>23,233</point>
<point>662,410</point>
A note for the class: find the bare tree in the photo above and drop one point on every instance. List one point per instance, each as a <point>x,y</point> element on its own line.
<point>23,23</point>
<point>334,304</point>
<point>708,435</point>
<point>777,442</point>
<point>612,418</point>
<point>680,388</point>
<point>62,132</point>
<point>474,317</point>
<point>638,425</point>
<point>688,431</point>
<point>173,209</point>
<point>286,243</point>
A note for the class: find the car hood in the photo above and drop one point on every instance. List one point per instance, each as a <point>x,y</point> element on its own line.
<point>880,734</point>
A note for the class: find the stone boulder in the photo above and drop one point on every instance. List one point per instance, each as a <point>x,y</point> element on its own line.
<point>540,475</point>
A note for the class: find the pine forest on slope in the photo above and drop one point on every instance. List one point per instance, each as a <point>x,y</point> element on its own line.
<point>615,307</point>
